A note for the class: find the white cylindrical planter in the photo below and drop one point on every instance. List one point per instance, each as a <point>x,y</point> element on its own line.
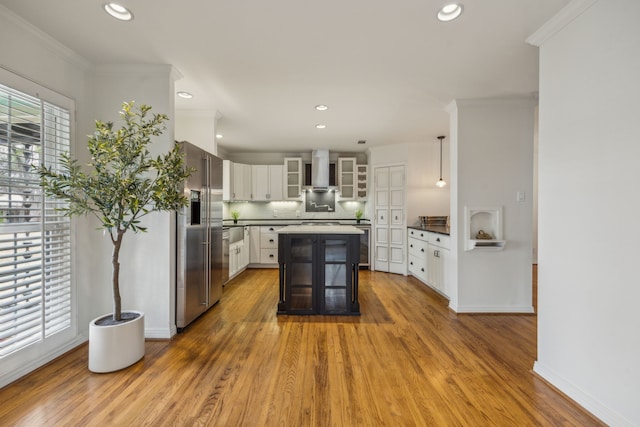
<point>114,347</point>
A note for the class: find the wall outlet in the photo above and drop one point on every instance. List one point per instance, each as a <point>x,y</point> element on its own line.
<point>275,213</point>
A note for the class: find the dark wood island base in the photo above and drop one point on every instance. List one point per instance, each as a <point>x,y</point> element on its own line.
<point>319,270</point>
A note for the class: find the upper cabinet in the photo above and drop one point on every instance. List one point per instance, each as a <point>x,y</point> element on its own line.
<point>292,177</point>
<point>347,177</point>
<point>267,182</point>
<point>236,181</point>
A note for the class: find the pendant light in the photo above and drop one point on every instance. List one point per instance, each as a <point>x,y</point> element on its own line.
<point>441,182</point>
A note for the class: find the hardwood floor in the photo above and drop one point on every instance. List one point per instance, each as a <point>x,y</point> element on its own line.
<point>407,361</point>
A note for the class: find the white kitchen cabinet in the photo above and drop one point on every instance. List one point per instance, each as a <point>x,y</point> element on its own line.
<point>389,220</point>
<point>417,261</point>
<point>292,177</point>
<point>347,177</point>
<point>236,181</point>
<point>242,181</point>
<point>235,255</point>
<point>254,238</point>
<point>267,182</point>
<point>429,258</point>
<point>245,255</point>
<point>239,253</point>
<point>437,257</point>
<point>269,245</point>
<point>263,246</point>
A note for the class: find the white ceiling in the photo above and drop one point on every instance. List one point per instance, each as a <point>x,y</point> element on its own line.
<point>385,68</point>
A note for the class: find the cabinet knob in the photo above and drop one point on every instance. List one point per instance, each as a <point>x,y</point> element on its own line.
<point>422,269</point>
<point>270,228</point>
<point>410,246</point>
<point>270,255</point>
<point>411,263</point>
<point>438,239</point>
<point>271,240</point>
<point>422,250</point>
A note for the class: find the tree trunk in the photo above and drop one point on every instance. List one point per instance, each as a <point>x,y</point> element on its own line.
<point>117,307</point>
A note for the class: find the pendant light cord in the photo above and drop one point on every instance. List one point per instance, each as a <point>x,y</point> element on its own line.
<point>441,182</point>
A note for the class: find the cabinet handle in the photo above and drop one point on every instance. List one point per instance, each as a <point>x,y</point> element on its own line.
<point>271,240</point>
<point>396,217</point>
<point>270,228</point>
<point>270,255</point>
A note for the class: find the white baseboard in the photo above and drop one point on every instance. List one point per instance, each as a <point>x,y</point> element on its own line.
<point>519,309</point>
<point>41,361</point>
<point>159,333</point>
<point>588,402</point>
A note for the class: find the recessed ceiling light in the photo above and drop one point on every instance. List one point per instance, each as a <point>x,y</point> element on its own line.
<point>320,126</point>
<point>118,11</point>
<point>219,136</point>
<point>450,12</point>
<point>185,95</point>
<point>321,107</point>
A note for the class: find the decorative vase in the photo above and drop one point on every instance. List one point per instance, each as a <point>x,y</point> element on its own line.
<point>114,347</point>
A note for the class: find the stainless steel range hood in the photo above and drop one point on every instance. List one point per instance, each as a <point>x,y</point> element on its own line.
<point>320,170</point>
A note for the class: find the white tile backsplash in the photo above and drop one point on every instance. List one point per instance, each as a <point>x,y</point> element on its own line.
<point>292,210</point>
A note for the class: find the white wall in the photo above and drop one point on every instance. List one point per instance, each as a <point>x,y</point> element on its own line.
<point>422,162</point>
<point>198,128</point>
<point>588,324</point>
<point>493,145</point>
<point>147,279</point>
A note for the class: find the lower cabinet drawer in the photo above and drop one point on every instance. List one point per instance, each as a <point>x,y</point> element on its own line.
<point>440,240</point>
<point>268,240</point>
<point>417,247</point>
<point>418,267</point>
<point>269,256</point>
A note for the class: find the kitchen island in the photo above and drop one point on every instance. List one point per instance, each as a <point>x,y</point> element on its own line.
<point>319,269</point>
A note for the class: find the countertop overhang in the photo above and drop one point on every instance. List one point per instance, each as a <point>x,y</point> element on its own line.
<point>319,229</point>
<point>440,229</point>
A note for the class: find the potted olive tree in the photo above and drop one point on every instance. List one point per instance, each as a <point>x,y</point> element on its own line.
<point>124,184</point>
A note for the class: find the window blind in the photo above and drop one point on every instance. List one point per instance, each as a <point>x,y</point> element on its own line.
<point>35,243</point>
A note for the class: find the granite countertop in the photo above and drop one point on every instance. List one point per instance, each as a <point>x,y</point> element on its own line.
<point>440,229</point>
<point>320,229</point>
<point>292,221</point>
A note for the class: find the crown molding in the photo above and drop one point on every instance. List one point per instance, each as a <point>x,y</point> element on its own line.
<point>559,21</point>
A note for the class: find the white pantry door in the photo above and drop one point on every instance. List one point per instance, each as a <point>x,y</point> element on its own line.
<point>390,222</point>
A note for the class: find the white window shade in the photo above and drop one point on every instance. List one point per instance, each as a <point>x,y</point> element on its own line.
<point>35,248</point>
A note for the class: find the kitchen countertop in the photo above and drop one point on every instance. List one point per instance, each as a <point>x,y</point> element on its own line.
<point>292,221</point>
<point>320,229</point>
<point>440,229</point>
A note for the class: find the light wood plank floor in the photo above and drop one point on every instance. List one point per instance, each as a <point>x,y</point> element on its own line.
<point>407,361</point>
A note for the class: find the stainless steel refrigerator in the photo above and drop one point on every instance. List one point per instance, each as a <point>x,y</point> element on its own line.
<point>199,237</point>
